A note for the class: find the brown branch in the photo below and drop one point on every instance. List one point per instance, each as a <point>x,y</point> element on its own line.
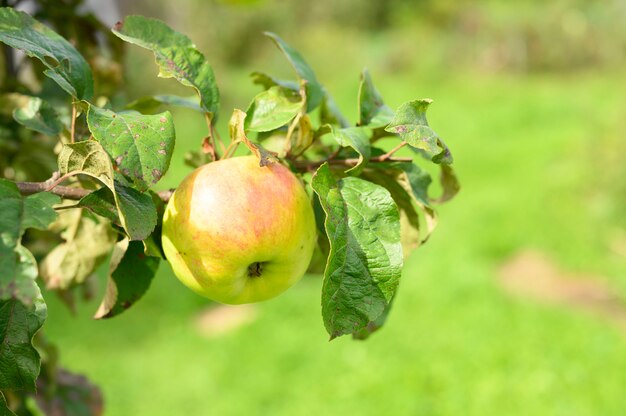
<point>69,192</point>
<point>312,164</point>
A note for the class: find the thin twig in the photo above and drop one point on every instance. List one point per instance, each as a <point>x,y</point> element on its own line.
<point>69,192</point>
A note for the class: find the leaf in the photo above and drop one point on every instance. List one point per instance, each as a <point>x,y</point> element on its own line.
<point>449,183</point>
<point>259,78</point>
<point>4,407</point>
<point>19,360</point>
<point>314,90</point>
<point>101,202</point>
<point>38,115</point>
<point>387,177</point>
<point>365,261</point>
<point>303,136</point>
<point>130,275</point>
<point>136,210</point>
<point>176,56</point>
<point>38,211</point>
<point>272,109</point>
<point>152,244</point>
<point>372,110</point>
<point>140,145</point>
<point>87,244</point>
<point>65,64</point>
<point>357,138</point>
<point>65,393</point>
<point>330,113</point>
<point>415,183</point>
<point>238,134</point>
<point>373,326</point>
<point>18,266</point>
<point>152,103</point>
<point>411,124</point>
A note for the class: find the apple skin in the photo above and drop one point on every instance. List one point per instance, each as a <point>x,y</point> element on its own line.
<point>237,233</point>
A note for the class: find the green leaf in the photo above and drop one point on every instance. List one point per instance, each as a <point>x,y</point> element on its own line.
<point>140,145</point>
<point>314,90</point>
<point>38,211</point>
<point>130,275</point>
<point>101,202</point>
<point>415,182</point>
<point>136,210</point>
<point>176,56</point>
<point>65,64</point>
<point>272,109</point>
<point>19,360</point>
<point>365,261</point>
<point>152,244</point>
<point>267,82</point>
<point>357,138</point>
<point>151,104</point>
<point>18,266</point>
<point>330,113</point>
<point>38,115</point>
<point>388,178</point>
<point>372,110</point>
<point>87,243</point>
<point>4,408</point>
<point>411,124</point>
<point>373,326</point>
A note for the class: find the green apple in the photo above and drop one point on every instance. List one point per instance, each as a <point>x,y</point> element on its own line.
<point>237,233</point>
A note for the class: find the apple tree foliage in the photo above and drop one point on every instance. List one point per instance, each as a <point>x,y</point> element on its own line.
<point>78,163</point>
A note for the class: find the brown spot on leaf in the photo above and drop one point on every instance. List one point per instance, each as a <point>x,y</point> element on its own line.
<point>156,173</point>
<point>163,144</point>
<point>119,159</point>
<point>162,152</point>
<point>162,119</point>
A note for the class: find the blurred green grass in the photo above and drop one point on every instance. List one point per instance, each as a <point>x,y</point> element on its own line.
<point>455,343</point>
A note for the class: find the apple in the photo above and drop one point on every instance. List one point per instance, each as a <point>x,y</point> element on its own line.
<point>236,232</point>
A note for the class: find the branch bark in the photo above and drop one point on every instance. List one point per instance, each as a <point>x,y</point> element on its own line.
<point>69,192</point>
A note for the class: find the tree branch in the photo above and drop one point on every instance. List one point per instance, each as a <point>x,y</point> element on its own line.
<point>69,192</point>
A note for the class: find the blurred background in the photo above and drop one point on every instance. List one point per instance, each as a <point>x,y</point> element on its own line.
<point>516,306</point>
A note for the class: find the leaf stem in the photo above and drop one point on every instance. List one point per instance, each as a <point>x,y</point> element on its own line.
<point>73,129</point>
<point>211,138</point>
<point>232,147</point>
<point>312,164</point>
<point>392,151</point>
